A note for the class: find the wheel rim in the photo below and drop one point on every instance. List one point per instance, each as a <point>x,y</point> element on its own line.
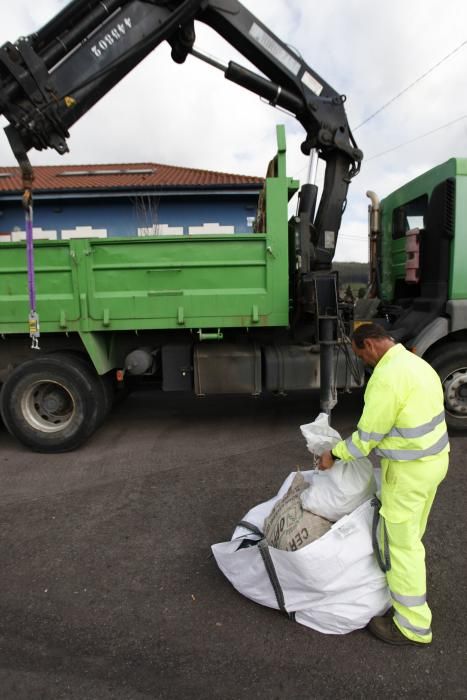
<point>455,392</point>
<point>48,406</point>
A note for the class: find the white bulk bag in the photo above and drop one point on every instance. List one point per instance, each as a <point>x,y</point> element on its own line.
<point>333,585</point>
<point>341,489</point>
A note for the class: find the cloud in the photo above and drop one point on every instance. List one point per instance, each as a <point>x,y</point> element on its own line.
<point>191,116</point>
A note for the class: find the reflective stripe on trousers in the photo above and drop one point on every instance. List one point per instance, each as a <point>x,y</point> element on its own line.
<point>406,626</point>
<point>410,601</point>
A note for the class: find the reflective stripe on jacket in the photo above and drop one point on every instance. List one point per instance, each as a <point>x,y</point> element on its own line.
<point>403,416</point>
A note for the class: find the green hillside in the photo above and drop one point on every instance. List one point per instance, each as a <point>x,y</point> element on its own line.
<point>352,273</point>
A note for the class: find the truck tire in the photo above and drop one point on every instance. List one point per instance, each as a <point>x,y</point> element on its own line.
<point>450,362</point>
<point>52,403</point>
<point>104,384</point>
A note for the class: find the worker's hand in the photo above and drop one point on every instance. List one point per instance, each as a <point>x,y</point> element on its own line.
<point>326,461</point>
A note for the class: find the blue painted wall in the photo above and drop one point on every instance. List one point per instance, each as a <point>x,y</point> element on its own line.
<point>123,215</point>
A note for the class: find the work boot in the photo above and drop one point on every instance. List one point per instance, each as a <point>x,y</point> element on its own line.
<point>384,628</point>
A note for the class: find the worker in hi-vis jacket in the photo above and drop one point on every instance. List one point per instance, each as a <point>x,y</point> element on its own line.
<point>403,418</point>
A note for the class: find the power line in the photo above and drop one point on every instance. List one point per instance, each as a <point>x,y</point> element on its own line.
<point>393,99</point>
<point>417,80</point>
<point>362,238</point>
<point>417,138</point>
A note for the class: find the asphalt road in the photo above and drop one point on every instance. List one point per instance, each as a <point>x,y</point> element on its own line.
<point>108,589</point>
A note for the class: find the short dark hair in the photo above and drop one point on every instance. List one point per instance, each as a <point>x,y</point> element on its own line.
<point>369,330</point>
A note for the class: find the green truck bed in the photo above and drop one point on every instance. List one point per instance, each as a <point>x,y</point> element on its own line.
<point>159,282</point>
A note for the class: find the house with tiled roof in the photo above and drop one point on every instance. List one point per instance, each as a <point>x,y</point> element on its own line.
<point>128,199</point>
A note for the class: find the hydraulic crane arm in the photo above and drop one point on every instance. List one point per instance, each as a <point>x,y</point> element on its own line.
<point>49,79</point>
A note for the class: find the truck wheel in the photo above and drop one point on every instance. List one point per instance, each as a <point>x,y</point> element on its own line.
<point>104,384</point>
<point>52,403</point>
<point>451,364</point>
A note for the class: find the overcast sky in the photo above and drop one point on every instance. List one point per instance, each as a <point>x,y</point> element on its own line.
<point>369,50</point>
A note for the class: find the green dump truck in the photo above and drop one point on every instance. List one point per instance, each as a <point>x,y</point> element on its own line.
<point>219,313</point>
<point>208,313</point>
<point>230,314</point>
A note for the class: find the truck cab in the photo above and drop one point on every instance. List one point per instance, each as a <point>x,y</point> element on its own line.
<point>418,243</point>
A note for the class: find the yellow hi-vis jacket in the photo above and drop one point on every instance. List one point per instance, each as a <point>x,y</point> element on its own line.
<point>403,415</point>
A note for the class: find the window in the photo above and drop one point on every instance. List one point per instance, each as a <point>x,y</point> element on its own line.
<point>110,171</point>
<point>409,216</point>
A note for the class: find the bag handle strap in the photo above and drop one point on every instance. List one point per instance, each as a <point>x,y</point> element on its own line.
<point>249,526</point>
<point>384,565</point>
<point>269,566</point>
<point>271,571</point>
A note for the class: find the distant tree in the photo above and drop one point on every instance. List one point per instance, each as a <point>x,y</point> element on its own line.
<point>348,296</point>
<point>352,273</point>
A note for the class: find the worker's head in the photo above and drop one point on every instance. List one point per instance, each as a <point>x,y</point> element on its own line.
<point>370,342</point>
